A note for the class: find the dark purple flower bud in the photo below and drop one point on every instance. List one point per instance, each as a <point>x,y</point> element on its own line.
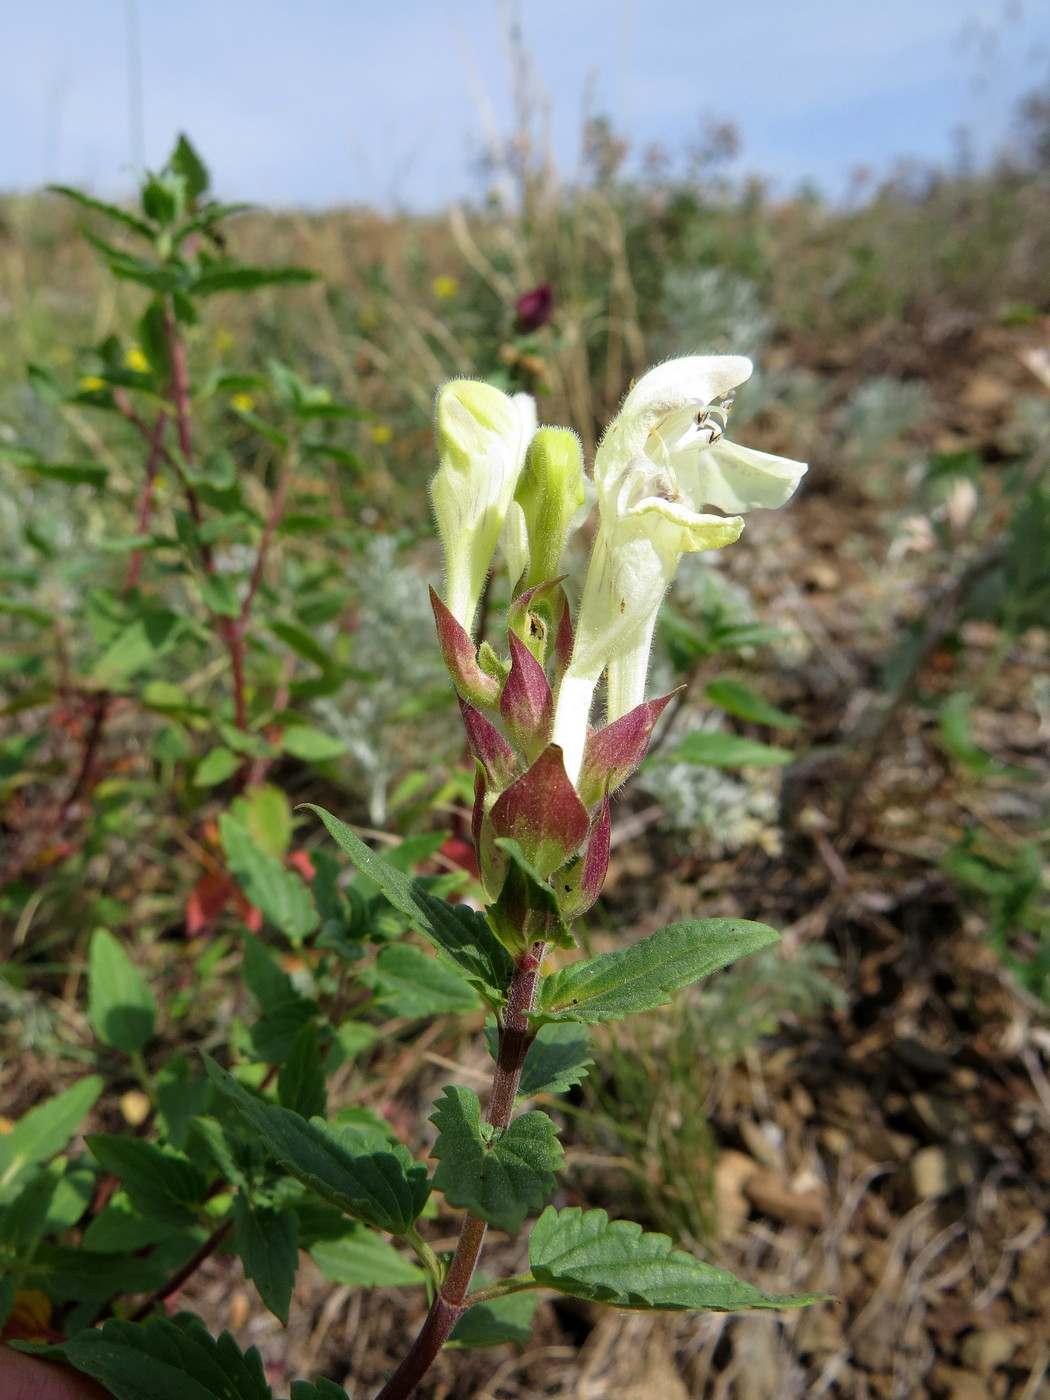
<point>487,744</point>
<point>460,658</point>
<point>534,309</point>
<point>526,705</point>
<point>578,887</point>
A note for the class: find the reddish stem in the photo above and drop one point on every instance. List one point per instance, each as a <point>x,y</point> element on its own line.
<point>516,1035</point>
<point>145,510</point>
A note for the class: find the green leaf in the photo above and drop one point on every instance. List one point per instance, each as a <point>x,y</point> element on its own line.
<point>219,595</point>
<point>363,1260</point>
<point>557,1059</point>
<point>215,767</point>
<point>72,473</point>
<point>409,982</point>
<point>496,1322</point>
<point>643,976</point>
<point>111,211</point>
<point>527,910</point>
<point>45,1130</point>
<point>180,1097</point>
<point>157,276</point>
<point>303,643</point>
<point>267,814</point>
<point>121,1008</point>
<point>152,337</point>
<point>499,1174</point>
<point>53,1198</point>
<point>268,1242</point>
<point>186,162</point>
<point>238,277</point>
<point>78,1275</point>
<point>280,894</point>
<point>119,1228</point>
<point>584,1255</point>
<point>360,1171</point>
<point>311,745</point>
<point>160,1182</point>
<point>164,1359</point>
<point>320,1389</point>
<point>716,750</point>
<point>737,699</point>
<point>300,1083</point>
<point>461,936</point>
<point>136,646</point>
<point>267,981</point>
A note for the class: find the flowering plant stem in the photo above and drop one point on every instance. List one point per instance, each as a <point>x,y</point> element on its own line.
<point>449,1305</point>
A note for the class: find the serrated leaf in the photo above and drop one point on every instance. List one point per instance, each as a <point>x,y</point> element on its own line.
<point>737,699</point>
<point>497,1322</point>
<point>279,893</point>
<point>362,1260</point>
<point>461,936</point>
<point>160,1182</point>
<point>643,976</point>
<point>557,1059</point>
<point>409,982</point>
<point>362,1173</point>
<point>301,1083</point>
<point>77,1275</point>
<point>268,1242</point>
<point>45,1130</point>
<point>585,1255</point>
<point>164,1359</point>
<point>121,1008</point>
<point>320,1389</point>
<point>499,1174</point>
<point>716,750</point>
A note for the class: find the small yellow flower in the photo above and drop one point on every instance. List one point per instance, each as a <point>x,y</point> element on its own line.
<point>243,403</point>
<point>444,287</point>
<point>90,384</point>
<point>381,434</point>
<point>224,340</point>
<point>135,360</point>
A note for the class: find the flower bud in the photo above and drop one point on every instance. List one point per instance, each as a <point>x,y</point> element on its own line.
<point>549,492</point>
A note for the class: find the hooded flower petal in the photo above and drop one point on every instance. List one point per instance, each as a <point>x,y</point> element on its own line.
<point>483,435</point>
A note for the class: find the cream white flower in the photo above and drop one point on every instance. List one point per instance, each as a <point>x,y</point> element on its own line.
<point>483,435</point>
<point>663,459</point>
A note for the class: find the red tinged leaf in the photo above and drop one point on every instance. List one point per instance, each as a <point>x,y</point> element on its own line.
<point>300,861</point>
<point>488,746</point>
<point>542,812</point>
<point>460,658</point>
<point>613,753</point>
<point>210,896</point>
<point>526,705</point>
<point>583,883</point>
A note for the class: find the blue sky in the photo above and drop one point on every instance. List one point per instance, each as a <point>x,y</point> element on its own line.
<point>321,102</point>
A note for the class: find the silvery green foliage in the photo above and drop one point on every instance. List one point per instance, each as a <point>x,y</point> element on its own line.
<point>721,811</point>
<point>880,411</point>
<point>394,644</point>
<point>715,309</point>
